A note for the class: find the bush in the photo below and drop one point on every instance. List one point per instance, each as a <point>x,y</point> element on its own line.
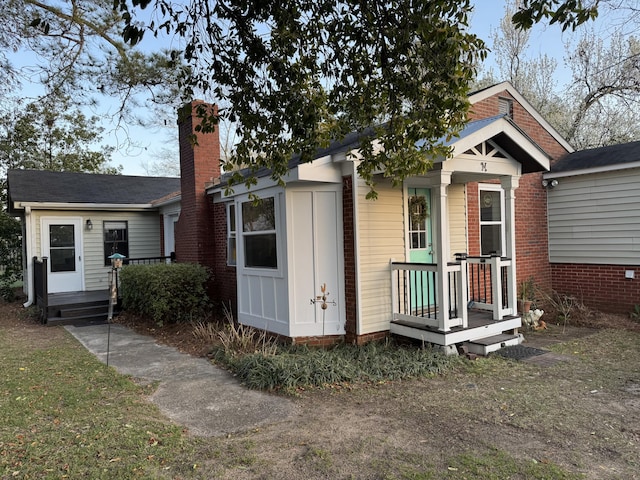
<point>167,293</point>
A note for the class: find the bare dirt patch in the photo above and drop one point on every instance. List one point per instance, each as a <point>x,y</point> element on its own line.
<point>582,415</point>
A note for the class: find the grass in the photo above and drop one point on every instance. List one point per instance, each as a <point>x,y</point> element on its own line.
<point>64,414</point>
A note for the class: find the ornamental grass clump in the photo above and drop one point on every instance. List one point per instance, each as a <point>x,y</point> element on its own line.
<point>293,367</point>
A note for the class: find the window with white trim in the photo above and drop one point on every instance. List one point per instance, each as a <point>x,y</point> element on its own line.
<point>491,220</point>
<point>231,234</point>
<point>259,233</point>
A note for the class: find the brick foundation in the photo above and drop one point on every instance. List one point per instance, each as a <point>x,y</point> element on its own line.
<point>603,287</point>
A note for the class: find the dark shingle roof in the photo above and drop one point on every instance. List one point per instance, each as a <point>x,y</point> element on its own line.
<point>72,187</point>
<point>612,155</point>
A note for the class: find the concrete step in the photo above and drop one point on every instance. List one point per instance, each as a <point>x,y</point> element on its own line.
<point>484,346</point>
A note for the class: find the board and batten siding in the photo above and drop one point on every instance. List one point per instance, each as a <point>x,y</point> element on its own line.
<point>457,204</point>
<point>144,240</point>
<point>595,218</point>
<point>381,238</point>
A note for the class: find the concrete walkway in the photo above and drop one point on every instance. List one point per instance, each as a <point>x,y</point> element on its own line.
<point>192,391</point>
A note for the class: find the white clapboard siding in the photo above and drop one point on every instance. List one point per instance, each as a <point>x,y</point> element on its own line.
<point>143,229</point>
<point>144,239</point>
<point>381,237</point>
<point>595,219</point>
<point>456,198</point>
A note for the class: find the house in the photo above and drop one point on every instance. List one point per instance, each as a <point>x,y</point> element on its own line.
<point>76,220</point>
<point>438,259</point>
<point>315,261</point>
<point>594,226</point>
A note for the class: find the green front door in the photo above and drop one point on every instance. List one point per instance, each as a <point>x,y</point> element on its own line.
<point>421,284</point>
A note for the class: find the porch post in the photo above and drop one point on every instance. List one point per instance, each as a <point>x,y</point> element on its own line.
<point>509,185</point>
<point>441,212</point>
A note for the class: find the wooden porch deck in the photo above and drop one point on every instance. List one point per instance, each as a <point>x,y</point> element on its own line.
<point>481,325</point>
<point>56,299</point>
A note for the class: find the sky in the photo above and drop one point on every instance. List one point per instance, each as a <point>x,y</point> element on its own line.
<point>486,18</point>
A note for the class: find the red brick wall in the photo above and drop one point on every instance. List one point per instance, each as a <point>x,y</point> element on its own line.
<point>532,252</point>
<point>162,236</point>
<point>602,287</point>
<point>489,108</point>
<point>349,260</point>
<point>199,165</point>
<point>224,289</point>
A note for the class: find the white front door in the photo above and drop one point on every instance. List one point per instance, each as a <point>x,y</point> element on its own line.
<point>62,244</point>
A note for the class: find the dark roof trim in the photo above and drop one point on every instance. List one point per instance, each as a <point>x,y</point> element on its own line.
<point>612,157</point>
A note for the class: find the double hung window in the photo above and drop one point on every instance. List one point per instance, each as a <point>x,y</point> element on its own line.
<point>491,221</point>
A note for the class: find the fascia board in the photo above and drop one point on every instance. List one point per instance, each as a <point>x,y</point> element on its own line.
<point>587,171</point>
<point>491,130</point>
<point>500,87</point>
<point>84,206</point>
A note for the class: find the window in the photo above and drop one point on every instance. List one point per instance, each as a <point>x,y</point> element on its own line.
<point>259,233</point>
<point>417,219</point>
<point>491,221</point>
<point>505,107</point>
<point>231,234</point>
<point>116,240</point>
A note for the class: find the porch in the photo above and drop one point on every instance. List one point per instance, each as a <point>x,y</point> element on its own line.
<point>80,307</point>
<point>479,300</point>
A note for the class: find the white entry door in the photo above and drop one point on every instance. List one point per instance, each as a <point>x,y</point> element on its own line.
<point>62,244</point>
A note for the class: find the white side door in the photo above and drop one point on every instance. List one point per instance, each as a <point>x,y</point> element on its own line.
<point>62,244</point>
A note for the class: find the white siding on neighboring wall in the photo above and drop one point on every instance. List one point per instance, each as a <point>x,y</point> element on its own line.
<point>595,219</point>
<point>456,197</point>
<point>381,238</point>
<point>144,240</point>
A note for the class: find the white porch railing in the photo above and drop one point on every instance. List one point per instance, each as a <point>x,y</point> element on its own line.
<point>477,282</point>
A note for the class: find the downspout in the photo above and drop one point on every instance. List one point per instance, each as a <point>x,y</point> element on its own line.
<point>356,248</point>
<point>28,236</point>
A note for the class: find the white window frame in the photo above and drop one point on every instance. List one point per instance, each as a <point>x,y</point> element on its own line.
<point>232,234</point>
<point>241,235</point>
<point>490,187</point>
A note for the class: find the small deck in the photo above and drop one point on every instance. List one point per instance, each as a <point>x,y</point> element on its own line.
<point>57,299</point>
<point>77,308</point>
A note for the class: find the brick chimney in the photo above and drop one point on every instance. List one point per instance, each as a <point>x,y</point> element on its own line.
<point>199,166</point>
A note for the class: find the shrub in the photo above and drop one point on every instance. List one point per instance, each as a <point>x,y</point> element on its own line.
<point>167,293</point>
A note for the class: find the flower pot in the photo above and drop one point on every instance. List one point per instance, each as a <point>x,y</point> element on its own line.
<point>524,306</point>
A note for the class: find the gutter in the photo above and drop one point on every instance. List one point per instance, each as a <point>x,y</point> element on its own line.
<point>28,233</point>
<point>84,206</point>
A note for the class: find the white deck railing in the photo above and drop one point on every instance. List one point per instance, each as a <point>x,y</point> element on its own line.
<point>476,282</point>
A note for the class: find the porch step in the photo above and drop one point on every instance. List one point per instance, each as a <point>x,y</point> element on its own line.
<point>84,320</point>
<point>484,346</point>
<point>96,312</point>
